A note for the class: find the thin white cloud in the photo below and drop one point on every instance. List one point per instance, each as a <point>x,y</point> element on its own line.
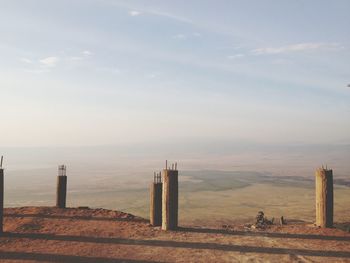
<point>46,64</point>
<point>37,71</point>
<point>49,61</point>
<point>235,56</point>
<point>113,70</point>
<point>116,71</point>
<point>26,60</point>
<point>74,58</point>
<point>87,53</point>
<point>231,47</point>
<point>196,34</point>
<point>171,16</point>
<point>152,75</point>
<point>296,48</point>
<point>84,54</point>
<point>281,62</point>
<point>134,13</point>
<point>179,36</point>
<point>216,28</point>
<point>150,11</point>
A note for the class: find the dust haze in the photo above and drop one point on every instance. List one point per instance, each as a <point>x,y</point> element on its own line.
<point>218,181</point>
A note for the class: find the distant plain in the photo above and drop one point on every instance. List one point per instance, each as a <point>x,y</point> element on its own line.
<point>216,189</point>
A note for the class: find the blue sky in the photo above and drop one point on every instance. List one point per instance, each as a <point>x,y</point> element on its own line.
<point>118,72</point>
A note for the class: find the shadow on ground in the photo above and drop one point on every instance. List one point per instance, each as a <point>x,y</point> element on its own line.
<point>135,219</point>
<point>264,234</point>
<point>178,244</point>
<point>63,258</point>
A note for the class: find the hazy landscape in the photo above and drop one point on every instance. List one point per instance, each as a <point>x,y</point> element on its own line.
<point>247,101</point>
<point>219,197</point>
<point>214,189</point>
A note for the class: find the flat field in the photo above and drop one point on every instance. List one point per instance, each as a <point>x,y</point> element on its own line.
<point>206,197</point>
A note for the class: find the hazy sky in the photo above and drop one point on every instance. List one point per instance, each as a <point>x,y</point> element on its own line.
<point>89,72</point>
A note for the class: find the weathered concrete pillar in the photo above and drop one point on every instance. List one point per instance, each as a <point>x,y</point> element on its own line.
<point>156,201</point>
<point>61,187</point>
<point>170,199</point>
<point>1,199</point>
<point>324,197</point>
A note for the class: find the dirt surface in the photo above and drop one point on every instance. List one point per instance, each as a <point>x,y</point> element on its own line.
<point>47,234</point>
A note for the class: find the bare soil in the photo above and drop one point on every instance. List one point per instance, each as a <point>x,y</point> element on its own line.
<point>48,234</point>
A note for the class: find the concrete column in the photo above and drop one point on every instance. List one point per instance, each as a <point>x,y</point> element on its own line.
<point>324,197</point>
<point>61,192</point>
<point>1,199</point>
<point>156,203</point>
<point>170,199</point>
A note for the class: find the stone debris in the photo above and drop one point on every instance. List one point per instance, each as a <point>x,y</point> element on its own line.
<point>227,227</point>
<point>262,221</point>
<point>247,226</point>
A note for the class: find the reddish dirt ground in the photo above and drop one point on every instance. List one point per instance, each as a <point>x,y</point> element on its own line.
<point>47,234</point>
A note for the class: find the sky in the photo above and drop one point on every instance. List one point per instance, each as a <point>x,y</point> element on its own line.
<point>110,72</point>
